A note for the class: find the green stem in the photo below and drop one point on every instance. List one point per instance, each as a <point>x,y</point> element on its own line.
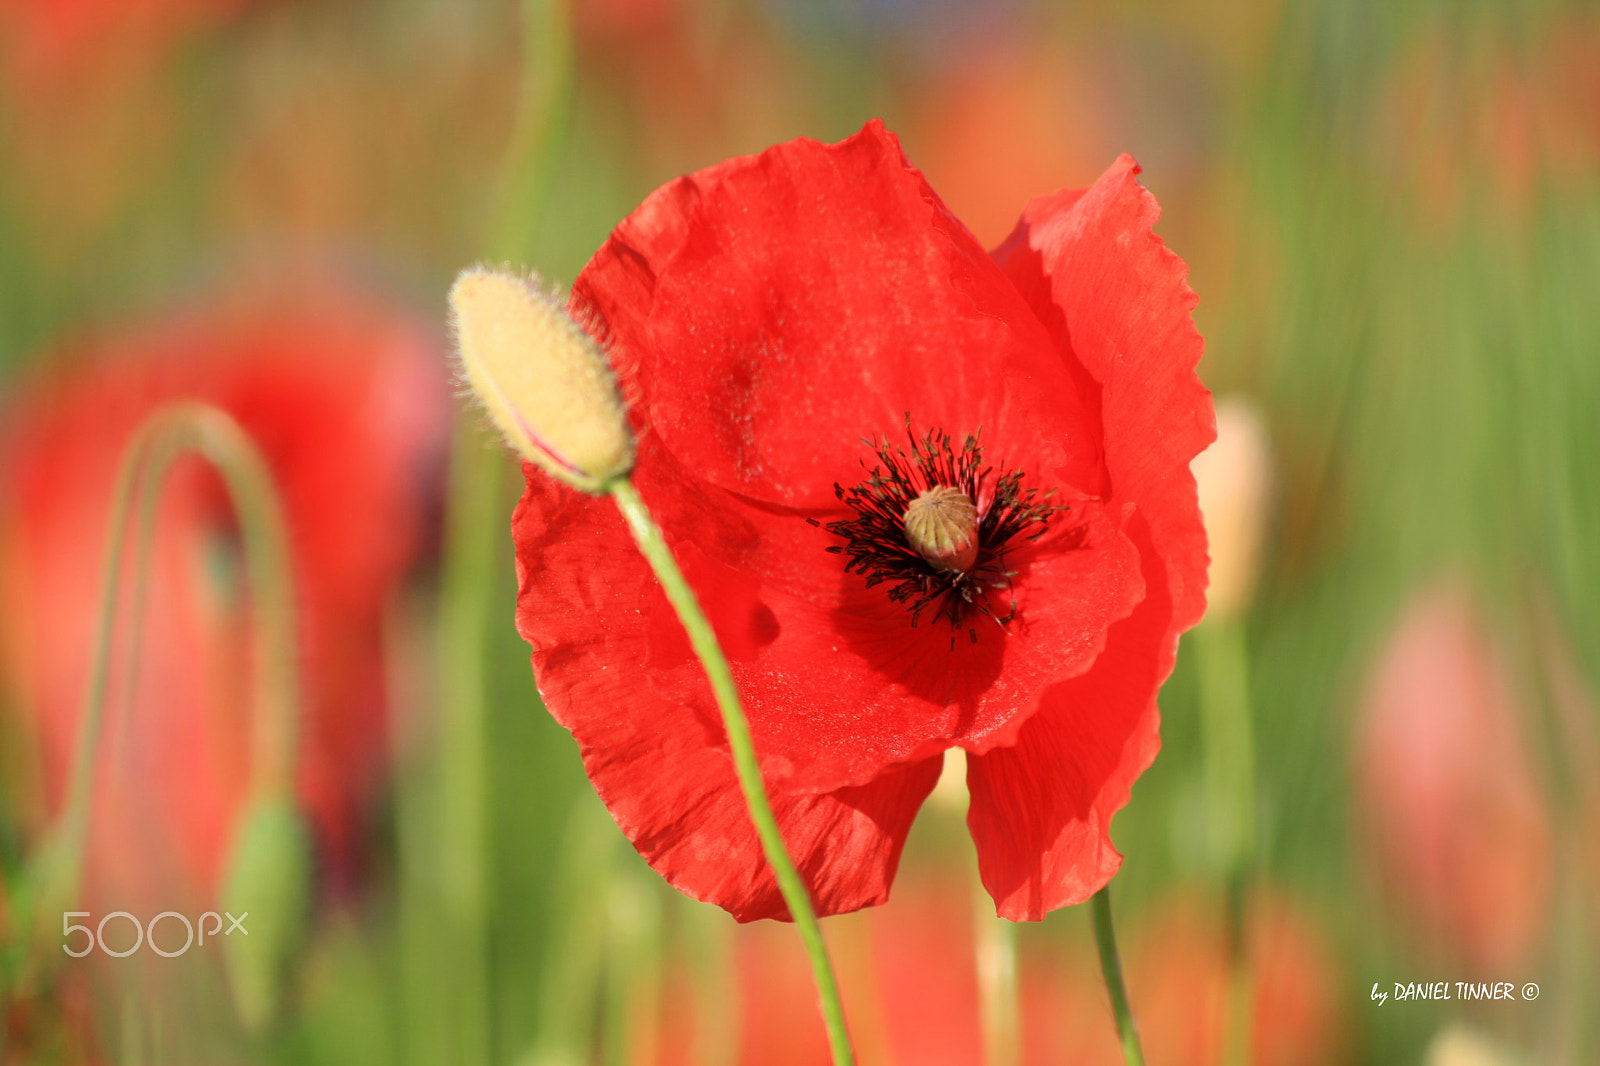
<point>540,125</point>
<point>1229,748</point>
<point>476,515</point>
<point>476,479</point>
<point>701,636</point>
<point>1105,938</point>
<point>275,726</point>
<point>155,446</point>
<point>215,436</point>
<point>75,816</point>
<point>997,983</point>
<point>1229,760</point>
<point>716,996</point>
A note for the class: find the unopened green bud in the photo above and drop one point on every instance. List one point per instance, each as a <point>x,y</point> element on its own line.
<point>542,378</point>
<point>267,890</point>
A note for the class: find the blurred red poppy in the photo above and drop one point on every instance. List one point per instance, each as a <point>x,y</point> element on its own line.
<point>62,39</point>
<point>911,990</point>
<point>1178,979</point>
<point>909,978</point>
<point>1007,119</point>
<point>1452,812</point>
<point>769,315</point>
<point>346,403</point>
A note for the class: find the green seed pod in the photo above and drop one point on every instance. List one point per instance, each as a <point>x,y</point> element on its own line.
<point>942,524</point>
<point>268,879</point>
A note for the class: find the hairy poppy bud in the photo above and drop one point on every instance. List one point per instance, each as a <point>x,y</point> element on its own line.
<point>541,377</point>
<point>1232,476</point>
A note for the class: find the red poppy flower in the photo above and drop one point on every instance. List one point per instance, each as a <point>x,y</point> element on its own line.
<point>768,317</point>
<point>347,405</point>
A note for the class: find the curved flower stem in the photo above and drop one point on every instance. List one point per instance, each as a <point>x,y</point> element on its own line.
<point>214,435</point>
<point>1105,938</point>
<point>75,816</point>
<point>52,877</point>
<point>158,442</point>
<point>654,548</point>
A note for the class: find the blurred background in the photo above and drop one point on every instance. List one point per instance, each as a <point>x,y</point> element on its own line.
<point>1381,755</point>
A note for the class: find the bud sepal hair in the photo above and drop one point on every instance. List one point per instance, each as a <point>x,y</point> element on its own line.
<point>542,377</point>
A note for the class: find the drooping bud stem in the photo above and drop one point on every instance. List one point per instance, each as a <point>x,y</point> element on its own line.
<point>541,377</point>
<point>942,525</point>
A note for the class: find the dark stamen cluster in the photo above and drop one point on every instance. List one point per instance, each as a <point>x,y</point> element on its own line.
<point>876,540</point>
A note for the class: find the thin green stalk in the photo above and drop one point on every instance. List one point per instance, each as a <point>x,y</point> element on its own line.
<point>570,979</point>
<point>994,939</point>
<point>1229,747</point>
<point>51,880</point>
<point>704,641</point>
<point>996,944</point>
<point>55,871</point>
<point>75,816</point>
<point>155,446</point>
<point>1229,761</point>
<point>716,1013</point>
<point>633,968</point>
<point>215,436</point>
<point>540,127</point>
<point>477,480</point>
<point>1105,938</point>
<point>463,864</point>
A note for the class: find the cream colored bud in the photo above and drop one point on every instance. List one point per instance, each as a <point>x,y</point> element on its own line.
<point>541,377</point>
<point>1457,1045</point>
<point>942,524</point>
<point>1233,477</point>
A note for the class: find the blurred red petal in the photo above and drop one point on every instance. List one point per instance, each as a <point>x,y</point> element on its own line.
<point>345,401</point>
<point>1452,811</point>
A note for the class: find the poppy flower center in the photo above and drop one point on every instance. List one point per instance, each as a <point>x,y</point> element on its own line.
<point>942,524</point>
<point>935,524</point>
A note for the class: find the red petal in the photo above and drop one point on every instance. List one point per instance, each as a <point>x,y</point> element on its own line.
<point>1118,305</point>
<point>810,645</point>
<point>651,737</point>
<point>1119,309</point>
<point>1041,811</point>
<point>769,313</point>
